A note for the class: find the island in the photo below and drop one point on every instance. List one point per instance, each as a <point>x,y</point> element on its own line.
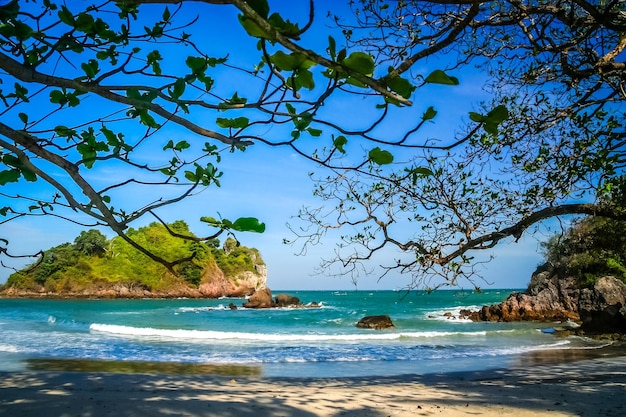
<point>96,267</point>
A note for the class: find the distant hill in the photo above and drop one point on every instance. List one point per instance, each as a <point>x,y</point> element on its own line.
<point>94,266</point>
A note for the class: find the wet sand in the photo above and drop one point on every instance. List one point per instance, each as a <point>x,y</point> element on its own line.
<point>543,384</point>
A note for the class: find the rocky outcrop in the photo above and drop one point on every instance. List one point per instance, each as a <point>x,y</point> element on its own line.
<point>215,284</point>
<point>375,322</point>
<point>547,299</point>
<point>286,300</point>
<point>262,298</point>
<point>602,308</point>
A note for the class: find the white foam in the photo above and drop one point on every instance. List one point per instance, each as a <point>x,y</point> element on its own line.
<point>8,348</point>
<point>179,334</point>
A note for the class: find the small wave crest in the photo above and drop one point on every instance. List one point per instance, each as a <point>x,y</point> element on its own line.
<point>212,335</point>
<point>8,348</point>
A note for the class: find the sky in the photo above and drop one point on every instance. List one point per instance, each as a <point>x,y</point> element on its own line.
<point>272,184</point>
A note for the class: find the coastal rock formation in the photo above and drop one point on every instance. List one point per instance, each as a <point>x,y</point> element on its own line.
<point>286,300</point>
<point>602,308</point>
<point>547,298</point>
<point>215,284</point>
<point>262,298</point>
<point>375,322</point>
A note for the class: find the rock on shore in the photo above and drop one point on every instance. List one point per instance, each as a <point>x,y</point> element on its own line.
<point>549,298</point>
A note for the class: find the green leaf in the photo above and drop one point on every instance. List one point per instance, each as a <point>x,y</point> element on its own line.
<point>380,157</point>
<point>196,64</point>
<point>191,176</point>
<point>498,114</point>
<point>314,132</point>
<point>477,117</point>
<point>429,114</point>
<point>236,123</point>
<point>491,128</point>
<point>332,47</point>
<point>57,97</point>
<point>178,89</point>
<point>340,142</point>
<point>440,77</point>
<point>182,145</point>
<point>7,176</point>
<point>91,68</point>
<point>248,224</point>
<point>287,62</point>
<point>28,174</point>
<point>304,78</point>
<point>147,120</point>
<point>360,62</point>
<point>285,27</point>
<point>64,131</point>
<point>260,6</point>
<point>291,109</point>
<point>253,29</point>
<point>23,117</point>
<point>66,16</point>
<point>169,145</point>
<point>401,86</point>
<point>420,172</point>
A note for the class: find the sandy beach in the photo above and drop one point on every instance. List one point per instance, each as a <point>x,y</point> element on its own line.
<point>590,387</point>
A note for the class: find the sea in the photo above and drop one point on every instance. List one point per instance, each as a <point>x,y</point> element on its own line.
<point>318,341</point>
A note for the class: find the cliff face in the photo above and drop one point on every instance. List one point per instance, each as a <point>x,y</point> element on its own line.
<point>215,284</point>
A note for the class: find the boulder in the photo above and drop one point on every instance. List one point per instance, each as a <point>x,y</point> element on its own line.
<point>262,298</point>
<point>286,300</point>
<point>602,308</point>
<point>375,322</point>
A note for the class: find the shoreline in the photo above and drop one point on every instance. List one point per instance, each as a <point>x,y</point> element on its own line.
<point>528,359</point>
<point>582,387</point>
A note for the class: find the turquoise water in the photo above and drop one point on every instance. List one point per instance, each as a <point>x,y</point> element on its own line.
<point>311,342</point>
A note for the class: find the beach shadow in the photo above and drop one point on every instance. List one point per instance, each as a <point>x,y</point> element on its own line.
<point>582,388</point>
<point>133,395</point>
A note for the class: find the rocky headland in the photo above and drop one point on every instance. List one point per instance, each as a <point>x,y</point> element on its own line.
<point>214,284</point>
<point>599,309</point>
<point>96,267</point>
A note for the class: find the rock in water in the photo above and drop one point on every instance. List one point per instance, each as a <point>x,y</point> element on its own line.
<point>375,322</point>
<point>286,300</point>
<point>262,298</point>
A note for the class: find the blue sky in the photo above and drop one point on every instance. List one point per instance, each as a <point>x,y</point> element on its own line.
<point>272,184</point>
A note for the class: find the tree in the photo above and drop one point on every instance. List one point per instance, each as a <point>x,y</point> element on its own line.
<point>549,143</point>
<point>91,242</point>
<point>90,89</point>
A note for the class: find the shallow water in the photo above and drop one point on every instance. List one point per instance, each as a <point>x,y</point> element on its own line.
<point>309,342</point>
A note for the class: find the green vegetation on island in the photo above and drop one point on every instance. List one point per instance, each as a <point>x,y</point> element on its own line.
<point>92,259</point>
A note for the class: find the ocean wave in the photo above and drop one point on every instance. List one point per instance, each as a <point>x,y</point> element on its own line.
<point>455,311</point>
<point>212,335</point>
<point>9,348</point>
